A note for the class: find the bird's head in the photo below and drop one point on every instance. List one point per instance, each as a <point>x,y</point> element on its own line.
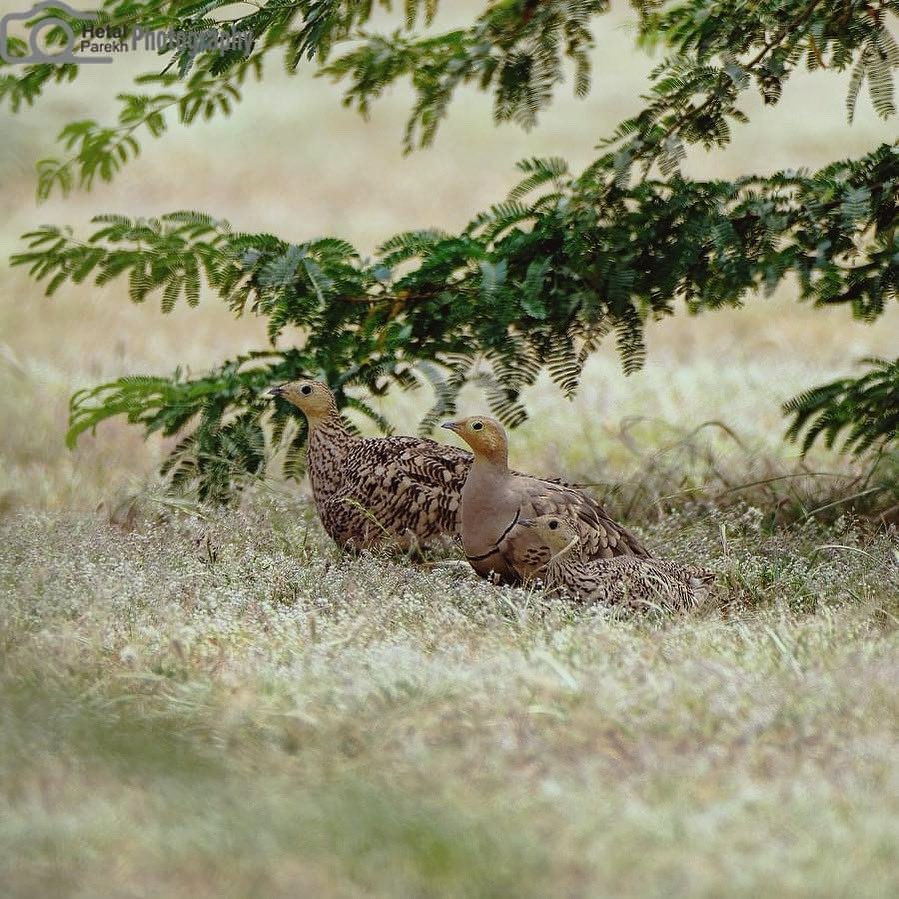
<point>552,530</point>
<point>312,398</point>
<point>484,435</point>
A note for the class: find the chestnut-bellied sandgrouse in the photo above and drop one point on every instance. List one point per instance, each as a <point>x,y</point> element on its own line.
<point>545,548</point>
<point>376,490</point>
<point>494,499</point>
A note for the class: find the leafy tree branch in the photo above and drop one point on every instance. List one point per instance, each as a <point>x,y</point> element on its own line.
<point>536,281</point>
<point>864,410</point>
<point>516,49</point>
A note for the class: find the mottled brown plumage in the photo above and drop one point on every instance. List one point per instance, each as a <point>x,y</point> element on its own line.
<point>494,499</point>
<point>545,548</point>
<point>372,491</point>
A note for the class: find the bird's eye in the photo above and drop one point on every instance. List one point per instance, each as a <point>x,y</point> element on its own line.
<point>305,390</point>
<point>553,525</point>
<point>476,426</point>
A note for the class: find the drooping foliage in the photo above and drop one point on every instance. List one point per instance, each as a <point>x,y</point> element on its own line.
<point>534,282</point>
<point>863,411</point>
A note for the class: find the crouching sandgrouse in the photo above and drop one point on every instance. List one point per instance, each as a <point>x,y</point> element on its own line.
<point>403,491</point>
<point>495,499</point>
<point>545,548</point>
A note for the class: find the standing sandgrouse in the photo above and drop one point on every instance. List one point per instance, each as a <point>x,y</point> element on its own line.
<point>404,491</point>
<point>546,548</point>
<point>494,499</point>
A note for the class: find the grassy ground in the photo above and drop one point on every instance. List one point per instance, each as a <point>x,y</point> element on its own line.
<point>221,706</point>
<point>204,703</point>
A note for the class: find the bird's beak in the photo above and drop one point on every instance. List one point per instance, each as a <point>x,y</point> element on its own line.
<point>450,425</point>
<point>277,391</point>
<point>526,522</point>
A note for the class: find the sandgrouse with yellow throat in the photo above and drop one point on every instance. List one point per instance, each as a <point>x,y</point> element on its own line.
<point>372,491</point>
<point>495,498</point>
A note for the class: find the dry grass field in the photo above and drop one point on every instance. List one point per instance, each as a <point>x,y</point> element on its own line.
<point>198,702</point>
